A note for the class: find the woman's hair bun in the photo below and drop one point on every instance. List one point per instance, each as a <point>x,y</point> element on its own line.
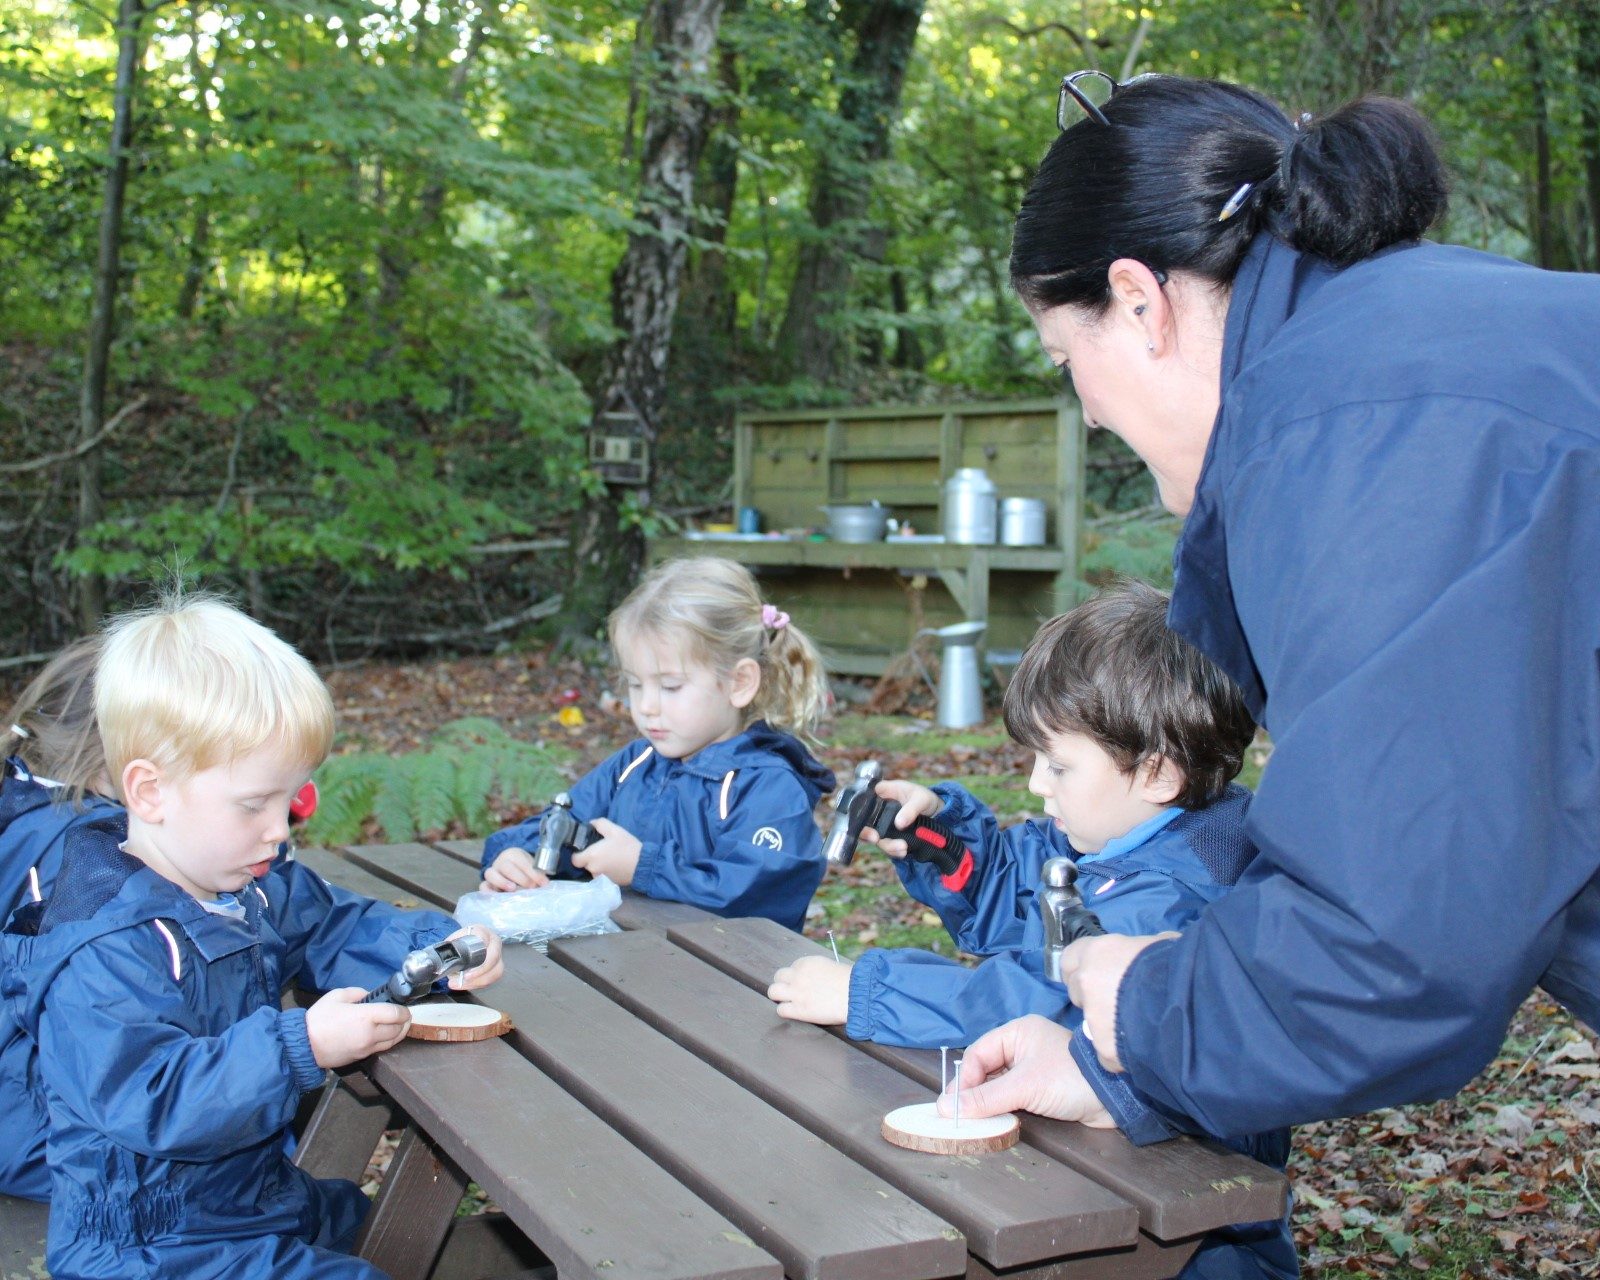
<point>1361,179</point>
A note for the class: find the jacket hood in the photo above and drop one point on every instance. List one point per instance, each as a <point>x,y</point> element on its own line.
<point>20,793</point>
<point>100,890</point>
<point>763,747</point>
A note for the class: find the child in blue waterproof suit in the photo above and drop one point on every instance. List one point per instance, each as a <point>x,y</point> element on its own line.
<point>1137,738</point>
<point>713,805</point>
<point>52,781</point>
<point>150,977</point>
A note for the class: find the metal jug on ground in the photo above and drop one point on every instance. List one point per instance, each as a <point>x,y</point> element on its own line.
<point>960,681</point>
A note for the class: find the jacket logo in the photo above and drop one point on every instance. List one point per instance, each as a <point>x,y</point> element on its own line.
<point>768,838</point>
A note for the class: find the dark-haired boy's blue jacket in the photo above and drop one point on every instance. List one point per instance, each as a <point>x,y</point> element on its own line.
<point>171,1072</point>
<point>730,828</point>
<point>1159,876</point>
<point>34,821</point>
<point>1394,550</point>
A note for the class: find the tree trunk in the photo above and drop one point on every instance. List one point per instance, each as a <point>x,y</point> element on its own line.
<point>812,341</point>
<point>102,319</point>
<point>1589,114</point>
<point>607,552</point>
<point>1544,240</point>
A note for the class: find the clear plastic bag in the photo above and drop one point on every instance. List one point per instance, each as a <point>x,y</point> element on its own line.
<point>562,909</point>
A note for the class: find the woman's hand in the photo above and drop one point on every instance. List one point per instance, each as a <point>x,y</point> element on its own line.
<point>915,802</point>
<point>1026,1065</point>
<point>1093,969</point>
<point>813,989</point>
<point>615,855</point>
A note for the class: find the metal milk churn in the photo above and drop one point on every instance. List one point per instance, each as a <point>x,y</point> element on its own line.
<point>969,507</point>
<point>960,684</point>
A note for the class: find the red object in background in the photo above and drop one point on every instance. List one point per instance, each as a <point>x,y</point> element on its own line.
<point>304,803</point>
<point>568,696</point>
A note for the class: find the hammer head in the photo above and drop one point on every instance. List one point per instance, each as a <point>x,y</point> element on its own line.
<point>852,813</point>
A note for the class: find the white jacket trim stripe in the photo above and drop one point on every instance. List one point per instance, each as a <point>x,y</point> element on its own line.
<point>637,761</point>
<point>172,946</point>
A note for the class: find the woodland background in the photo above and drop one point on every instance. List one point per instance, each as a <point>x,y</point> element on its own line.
<point>318,300</point>
<point>320,297</point>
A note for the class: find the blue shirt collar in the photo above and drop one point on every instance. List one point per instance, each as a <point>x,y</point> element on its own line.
<point>1133,839</point>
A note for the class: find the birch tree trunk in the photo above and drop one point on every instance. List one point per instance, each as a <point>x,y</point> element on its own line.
<point>102,319</point>
<point>608,551</point>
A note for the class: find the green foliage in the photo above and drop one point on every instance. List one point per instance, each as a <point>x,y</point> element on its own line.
<point>470,768</point>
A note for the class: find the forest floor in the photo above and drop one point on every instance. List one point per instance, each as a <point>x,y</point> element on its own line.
<point>1501,1180</point>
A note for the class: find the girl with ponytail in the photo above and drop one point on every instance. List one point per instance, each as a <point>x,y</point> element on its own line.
<point>1388,455</point>
<point>713,805</point>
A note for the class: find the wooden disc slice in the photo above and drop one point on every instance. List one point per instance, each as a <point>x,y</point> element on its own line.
<point>922,1128</point>
<point>447,1020</point>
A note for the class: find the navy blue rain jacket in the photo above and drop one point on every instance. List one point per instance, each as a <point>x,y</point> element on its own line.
<point>34,822</point>
<point>171,1072</point>
<point>1159,876</point>
<point>1395,550</point>
<point>730,828</point>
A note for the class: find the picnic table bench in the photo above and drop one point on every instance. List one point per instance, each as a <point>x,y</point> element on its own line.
<point>651,1118</point>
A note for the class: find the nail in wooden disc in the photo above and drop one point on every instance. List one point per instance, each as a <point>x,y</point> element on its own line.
<point>448,1021</point>
<point>922,1128</point>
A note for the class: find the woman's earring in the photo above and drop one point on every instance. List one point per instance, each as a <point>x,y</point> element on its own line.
<point>1150,346</point>
<point>1139,310</point>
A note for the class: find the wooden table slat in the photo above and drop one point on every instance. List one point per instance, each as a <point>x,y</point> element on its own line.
<point>1181,1187</point>
<point>433,875</point>
<point>596,1206</point>
<point>1015,1206</point>
<point>468,851</point>
<point>820,1213</point>
<point>339,870</point>
<point>414,1211</point>
<point>640,912</point>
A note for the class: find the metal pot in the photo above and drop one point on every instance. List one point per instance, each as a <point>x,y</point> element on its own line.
<point>969,507</point>
<point>857,521</point>
<point>1022,522</point>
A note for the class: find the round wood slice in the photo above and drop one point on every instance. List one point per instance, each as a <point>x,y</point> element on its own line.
<point>922,1128</point>
<point>449,1021</point>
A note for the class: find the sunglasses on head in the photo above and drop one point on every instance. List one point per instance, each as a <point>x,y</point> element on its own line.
<point>1091,90</point>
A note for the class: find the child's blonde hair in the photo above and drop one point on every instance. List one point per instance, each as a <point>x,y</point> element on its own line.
<point>52,725</point>
<point>713,609</point>
<point>192,682</point>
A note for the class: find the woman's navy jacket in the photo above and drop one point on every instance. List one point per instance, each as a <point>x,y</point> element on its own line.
<point>1395,551</point>
<point>170,1071</point>
<point>34,821</point>
<point>730,828</point>
<point>1159,876</point>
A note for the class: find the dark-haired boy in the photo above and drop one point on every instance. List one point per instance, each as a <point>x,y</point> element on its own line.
<point>1136,738</point>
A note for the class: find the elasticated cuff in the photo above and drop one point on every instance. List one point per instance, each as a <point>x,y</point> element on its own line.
<point>866,977</point>
<point>297,1048</point>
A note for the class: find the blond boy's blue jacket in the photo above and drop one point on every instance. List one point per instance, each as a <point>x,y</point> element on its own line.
<point>171,1072</point>
<point>731,828</point>
<point>1395,550</point>
<point>34,822</point>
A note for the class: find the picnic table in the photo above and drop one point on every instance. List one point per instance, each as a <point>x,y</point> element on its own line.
<point>651,1117</point>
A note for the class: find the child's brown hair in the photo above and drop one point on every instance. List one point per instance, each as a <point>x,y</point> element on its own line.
<point>1112,669</point>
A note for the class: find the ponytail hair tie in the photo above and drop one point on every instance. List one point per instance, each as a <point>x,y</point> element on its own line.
<point>20,732</point>
<point>773,618</point>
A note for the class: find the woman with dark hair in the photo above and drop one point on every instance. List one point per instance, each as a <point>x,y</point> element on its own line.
<point>1388,454</point>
